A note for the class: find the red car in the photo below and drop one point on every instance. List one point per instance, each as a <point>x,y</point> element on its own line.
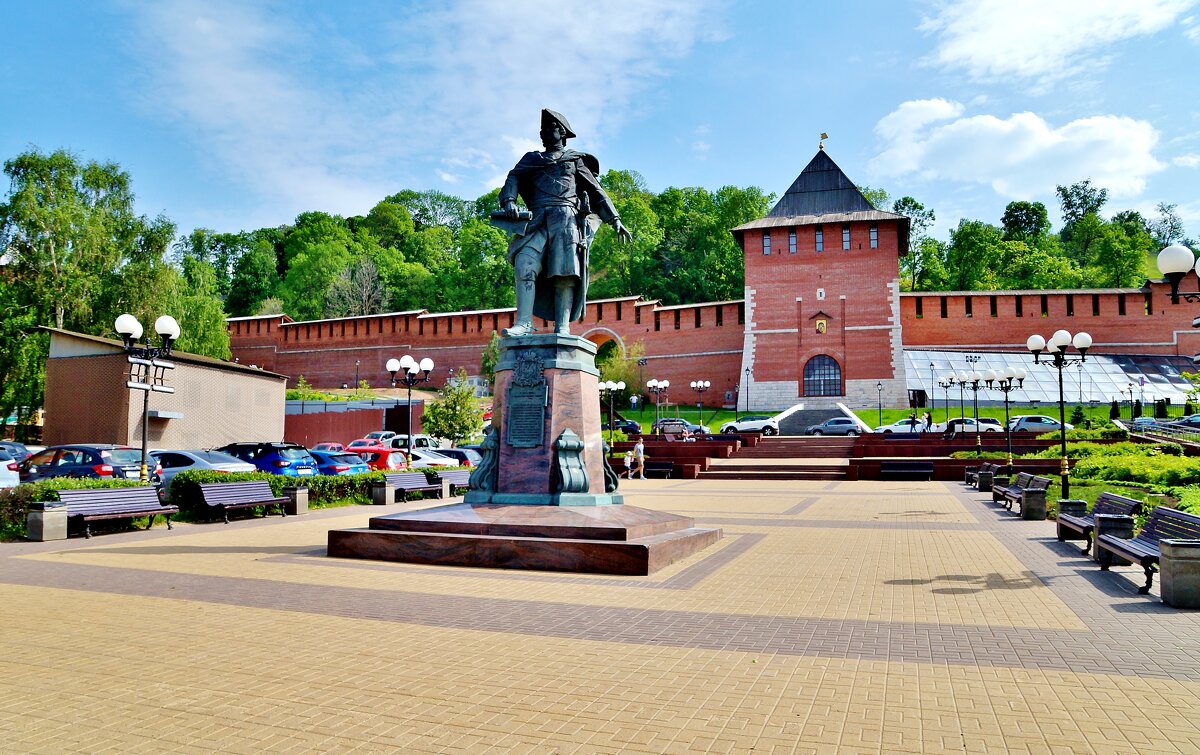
<point>382,458</point>
<point>329,446</point>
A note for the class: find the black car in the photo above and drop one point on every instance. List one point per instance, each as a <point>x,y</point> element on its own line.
<point>14,449</point>
<point>627,426</point>
<point>104,461</point>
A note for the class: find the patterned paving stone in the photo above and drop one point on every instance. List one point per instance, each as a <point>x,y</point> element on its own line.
<point>861,617</point>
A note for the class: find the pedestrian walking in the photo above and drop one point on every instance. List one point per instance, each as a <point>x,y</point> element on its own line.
<point>639,459</point>
<point>628,473</point>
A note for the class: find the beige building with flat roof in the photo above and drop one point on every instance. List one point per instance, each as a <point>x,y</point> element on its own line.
<point>215,402</point>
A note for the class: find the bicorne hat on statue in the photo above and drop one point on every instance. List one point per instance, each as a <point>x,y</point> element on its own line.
<point>550,117</point>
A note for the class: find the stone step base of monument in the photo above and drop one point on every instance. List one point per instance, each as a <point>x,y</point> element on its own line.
<point>623,540</point>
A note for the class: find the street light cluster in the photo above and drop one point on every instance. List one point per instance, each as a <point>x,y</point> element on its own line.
<point>411,372</point>
<point>609,387</point>
<point>657,388</point>
<point>1175,262</point>
<point>147,370</point>
<point>1056,347</point>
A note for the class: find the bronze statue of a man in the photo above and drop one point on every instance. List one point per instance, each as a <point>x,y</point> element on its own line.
<point>550,254</point>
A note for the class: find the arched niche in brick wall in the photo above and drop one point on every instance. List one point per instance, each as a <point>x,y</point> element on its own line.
<point>601,336</point>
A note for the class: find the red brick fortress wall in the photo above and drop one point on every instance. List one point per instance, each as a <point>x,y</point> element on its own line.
<point>1120,321</point>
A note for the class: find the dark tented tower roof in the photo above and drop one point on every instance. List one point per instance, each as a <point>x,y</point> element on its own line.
<point>820,189</point>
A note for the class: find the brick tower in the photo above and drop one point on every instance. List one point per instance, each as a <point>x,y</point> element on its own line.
<point>822,297</point>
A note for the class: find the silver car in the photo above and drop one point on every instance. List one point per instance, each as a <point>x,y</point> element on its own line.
<point>424,457</point>
<point>9,476</point>
<point>174,462</point>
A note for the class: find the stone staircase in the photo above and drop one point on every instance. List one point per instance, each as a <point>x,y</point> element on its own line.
<point>794,423</point>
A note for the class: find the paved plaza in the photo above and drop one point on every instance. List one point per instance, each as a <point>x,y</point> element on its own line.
<point>833,616</point>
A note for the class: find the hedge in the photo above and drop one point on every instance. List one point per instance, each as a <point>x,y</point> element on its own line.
<point>14,502</point>
<point>1082,433</point>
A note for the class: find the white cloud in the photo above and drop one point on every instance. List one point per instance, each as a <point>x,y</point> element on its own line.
<point>486,69</point>
<point>1191,160</point>
<point>288,108</point>
<point>1041,41</point>
<point>1018,157</point>
<point>449,178</point>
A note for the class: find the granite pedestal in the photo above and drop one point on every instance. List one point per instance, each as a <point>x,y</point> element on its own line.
<point>544,497</point>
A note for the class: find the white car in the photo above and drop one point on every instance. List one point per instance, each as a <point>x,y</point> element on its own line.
<point>753,423</point>
<point>424,457</point>
<point>902,426</point>
<point>9,476</point>
<point>418,441</point>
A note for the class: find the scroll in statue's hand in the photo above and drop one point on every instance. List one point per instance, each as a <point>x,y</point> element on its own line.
<point>510,210</point>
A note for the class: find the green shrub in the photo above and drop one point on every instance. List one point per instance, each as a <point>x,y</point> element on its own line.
<point>1161,469</point>
<point>14,502</point>
<point>1096,433</point>
<point>1083,450</point>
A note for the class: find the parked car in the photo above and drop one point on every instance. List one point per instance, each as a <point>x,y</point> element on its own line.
<point>16,450</point>
<point>425,457</point>
<point>902,426</point>
<point>1144,423</point>
<point>290,459</point>
<point>382,458</point>
<point>1190,422</point>
<point>834,426</point>
<point>1037,423</point>
<point>174,462</point>
<point>627,426</point>
<point>363,444</point>
<point>328,446</point>
<point>102,460</point>
<point>676,426</point>
<point>9,476</point>
<point>339,463</point>
<point>753,423</point>
<point>383,436</point>
<point>967,425</point>
<point>418,441</point>
<point>466,457</point>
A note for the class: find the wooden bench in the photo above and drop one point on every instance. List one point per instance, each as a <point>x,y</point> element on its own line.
<point>411,482</point>
<point>240,495</point>
<point>92,504</point>
<point>664,467</point>
<point>458,478</point>
<point>1144,549</point>
<point>1075,522</point>
<point>1027,491</point>
<point>893,469</point>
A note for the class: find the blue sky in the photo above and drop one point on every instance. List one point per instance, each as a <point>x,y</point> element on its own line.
<point>238,115</point>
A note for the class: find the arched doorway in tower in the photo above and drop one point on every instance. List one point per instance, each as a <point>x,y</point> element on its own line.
<point>822,376</point>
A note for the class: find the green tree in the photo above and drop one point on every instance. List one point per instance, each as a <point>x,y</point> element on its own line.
<point>622,368</point>
<point>974,252</point>
<point>356,290</point>
<point>310,274</point>
<point>1076,201</point>
<point>254,280</point>
<point>879,198</point>
<point>1120,256</point>
<point>430,209</point>
<point>924,267</point>
<point>489,358</point>
<point>485,279</point>
<point>198,310</point>
<point>1167,226</point>
<point>456,416</point>
<point>1081,245</point>
<point>389,223</point>
<point>1025,221</point>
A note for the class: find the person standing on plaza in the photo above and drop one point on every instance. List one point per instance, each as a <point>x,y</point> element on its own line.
<point>639,459</point>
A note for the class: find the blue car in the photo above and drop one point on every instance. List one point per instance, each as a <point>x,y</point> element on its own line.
<point>288,459</point>
<point>339,462</point>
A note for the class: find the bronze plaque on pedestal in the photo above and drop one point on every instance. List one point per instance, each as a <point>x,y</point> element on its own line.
<point>525,405</point>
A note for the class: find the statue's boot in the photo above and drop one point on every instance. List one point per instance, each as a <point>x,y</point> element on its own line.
<point>525,290</point>
<point>564,298</point>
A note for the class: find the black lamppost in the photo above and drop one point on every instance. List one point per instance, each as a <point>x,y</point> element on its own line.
<point>879,396</point>
<point>642,384</point>
<point>611,388</point>
<point>657,388</point>
<point>975,379</point>
<point>1129,389</point>
<point>932,393</point>
<point>700,386</point>
<point>1057,347</point>
<point>1004,383</point>
<point>356,364</point>
<point>413,372</point>
<point>946,381</point>
<point>746,387</point>
<point>960,379</point>
<point>147,371</point>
